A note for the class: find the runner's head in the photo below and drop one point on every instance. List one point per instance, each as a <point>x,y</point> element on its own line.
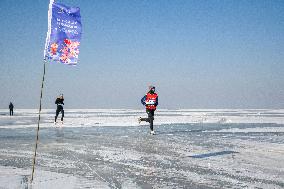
<point>151,89</point>
<point>61,96</point>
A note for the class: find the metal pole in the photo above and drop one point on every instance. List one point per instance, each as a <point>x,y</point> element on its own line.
<point>37,133</point>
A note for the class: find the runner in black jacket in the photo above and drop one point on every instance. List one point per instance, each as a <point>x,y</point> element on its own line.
<point>60,103</point>
<point>150,101</point>
<point>11,108</point>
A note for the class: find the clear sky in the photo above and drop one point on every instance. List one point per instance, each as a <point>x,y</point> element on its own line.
<point>198,54</point>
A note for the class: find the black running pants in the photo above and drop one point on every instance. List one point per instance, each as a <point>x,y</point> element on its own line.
<point>150,118</point>
<point>58,110</point>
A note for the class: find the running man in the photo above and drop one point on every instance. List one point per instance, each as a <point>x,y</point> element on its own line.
<point>11,108</point>
<point>150,101</point>
<point>59,102</point>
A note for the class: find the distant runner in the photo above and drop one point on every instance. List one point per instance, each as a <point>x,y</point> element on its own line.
<point>150,101</point>
<point>11,108</point>
<point>59,102</point>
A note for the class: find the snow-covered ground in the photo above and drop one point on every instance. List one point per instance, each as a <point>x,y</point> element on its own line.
<point>128,117</point>
<point>107,148</point>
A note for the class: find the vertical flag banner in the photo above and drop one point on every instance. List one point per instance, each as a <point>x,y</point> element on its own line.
<point>61,45</point>
<point>64,34</point>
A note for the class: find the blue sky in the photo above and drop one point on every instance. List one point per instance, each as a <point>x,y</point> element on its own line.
<point>198,54</point>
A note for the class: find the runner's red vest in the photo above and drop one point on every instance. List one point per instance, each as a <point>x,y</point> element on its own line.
<point>150,101</point>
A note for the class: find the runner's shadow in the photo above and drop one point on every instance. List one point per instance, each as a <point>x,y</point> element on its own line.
<point>213,154</point>
<point>59,135</point>
<point>25,182</point>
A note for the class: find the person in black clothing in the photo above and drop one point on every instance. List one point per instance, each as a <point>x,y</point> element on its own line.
<point>59,102</point>
<point>150,101</point>
<point>11,107</point>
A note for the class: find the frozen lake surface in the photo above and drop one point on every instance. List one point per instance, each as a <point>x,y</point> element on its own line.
<point>109,149</point>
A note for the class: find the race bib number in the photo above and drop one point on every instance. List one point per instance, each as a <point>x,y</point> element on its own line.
<point>150,102</point>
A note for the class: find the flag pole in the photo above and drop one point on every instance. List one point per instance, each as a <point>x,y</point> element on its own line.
<point>42,83</point>
<point>38,122</point>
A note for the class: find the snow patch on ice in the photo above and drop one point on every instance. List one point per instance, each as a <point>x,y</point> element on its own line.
<point>17,178</point>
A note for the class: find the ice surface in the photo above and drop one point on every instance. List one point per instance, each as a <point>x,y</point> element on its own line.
<point>127,117</point>
<point>106,148</point>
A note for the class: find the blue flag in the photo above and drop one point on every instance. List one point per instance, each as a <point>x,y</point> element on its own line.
<point>64,34</point>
